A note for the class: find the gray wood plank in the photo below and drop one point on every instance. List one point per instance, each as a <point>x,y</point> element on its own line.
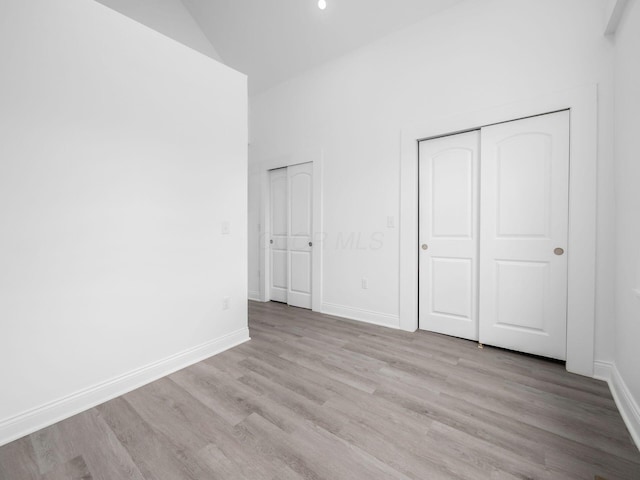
<point>74,469</point>
<point>18,461</point>
<point>89,436</point>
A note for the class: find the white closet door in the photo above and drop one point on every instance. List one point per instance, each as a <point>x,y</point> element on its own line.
<point>278,241</point>
<point>449,235</point>
<point>524,228</point>
<point>300,234</point>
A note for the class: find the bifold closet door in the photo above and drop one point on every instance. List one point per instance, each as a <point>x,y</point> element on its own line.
<point>449,179</point>
<point>279,231</point>
<point>523,235</point>
<point>300,227</point>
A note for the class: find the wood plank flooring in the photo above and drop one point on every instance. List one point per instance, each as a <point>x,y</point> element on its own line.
<point>316,397</point>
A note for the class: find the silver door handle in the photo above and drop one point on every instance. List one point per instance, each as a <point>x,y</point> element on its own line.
<point>311,244</point>
<point>271,242</point>
<point>559,251</point>
<point>425,246</point>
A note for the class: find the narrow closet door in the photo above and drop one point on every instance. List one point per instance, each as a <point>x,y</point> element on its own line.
<point>278,241</point>
<point>449,235</point>
<point>300,234</point>
<point>524,228</point>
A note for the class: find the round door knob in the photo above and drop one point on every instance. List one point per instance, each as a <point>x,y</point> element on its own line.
<point>559,251</point>
<point>271,242</point>
<point>425,246</point>
<point>311,244</point>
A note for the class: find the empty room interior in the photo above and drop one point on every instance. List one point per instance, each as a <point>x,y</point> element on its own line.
<point>319,239</point>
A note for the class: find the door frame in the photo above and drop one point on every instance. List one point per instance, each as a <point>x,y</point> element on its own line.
<point>583,106</point>
<point>265,166</point>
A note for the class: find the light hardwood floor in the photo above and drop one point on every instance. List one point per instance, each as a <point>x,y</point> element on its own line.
<point>316,397</point>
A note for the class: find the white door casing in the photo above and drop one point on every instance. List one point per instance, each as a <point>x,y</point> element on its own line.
<point>300,234</point>
<point>583,105</point>
<point>449,180</point>
<point>263,168</point>
<point>278,200</point>
<point>524,210</point>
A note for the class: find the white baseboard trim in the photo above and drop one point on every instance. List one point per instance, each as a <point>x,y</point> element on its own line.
<point>602,370</point>
<point>255,296</point>
<point>627,405</point>
<point>33,420</point>
<point>367,316</point>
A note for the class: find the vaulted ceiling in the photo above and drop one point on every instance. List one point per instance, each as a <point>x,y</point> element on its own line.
<point>274,40</point>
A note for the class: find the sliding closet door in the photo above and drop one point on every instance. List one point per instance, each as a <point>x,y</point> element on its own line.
<point>300,230</point>
<point>524,231</point>
<point>449,235</point>
<point>278,241</point>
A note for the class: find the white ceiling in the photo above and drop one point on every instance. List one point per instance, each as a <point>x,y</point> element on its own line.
<point>274,40</point>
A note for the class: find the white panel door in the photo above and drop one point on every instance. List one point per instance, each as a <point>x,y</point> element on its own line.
<point>300,234</point>
<point>524,231</point>
<point>279,232</point>
<point>449,235</point>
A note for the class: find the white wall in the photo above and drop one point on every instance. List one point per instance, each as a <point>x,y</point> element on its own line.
<point>254,223</point>
<point>627,122</point>
<point>169,17</point>
<point>474,56</point>
<point>121,153</point>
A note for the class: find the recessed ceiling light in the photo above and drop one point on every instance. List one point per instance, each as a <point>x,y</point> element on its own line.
<point>322,4</point>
